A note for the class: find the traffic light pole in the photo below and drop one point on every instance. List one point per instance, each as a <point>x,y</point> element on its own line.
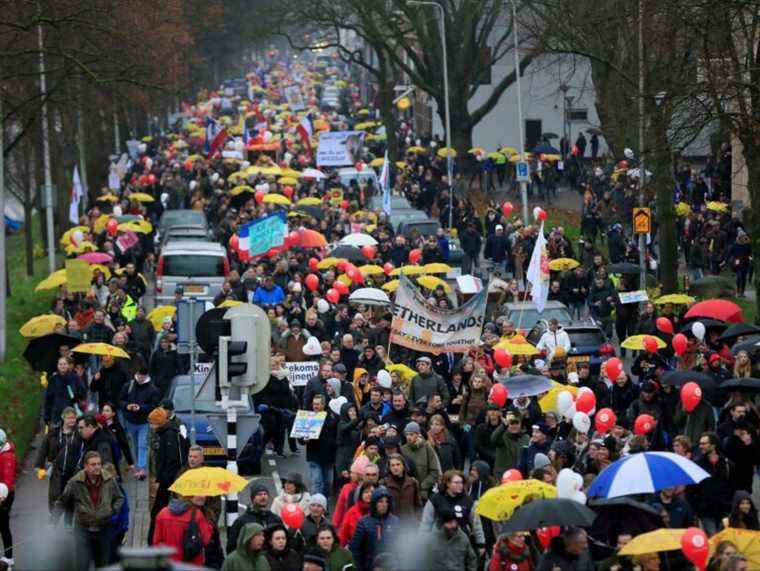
<point>231,504</point>
<point>193,349</point>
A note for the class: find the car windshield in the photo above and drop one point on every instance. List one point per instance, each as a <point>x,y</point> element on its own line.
<point>171,218</point>
<point>193,266</point>
<point>181,399</point>
<point>527,318</point>
<point>586,338</point>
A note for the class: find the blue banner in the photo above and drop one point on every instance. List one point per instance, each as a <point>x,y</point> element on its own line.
<point>266,233</point>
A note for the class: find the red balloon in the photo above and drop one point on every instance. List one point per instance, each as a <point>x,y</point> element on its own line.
<point>545,534</point>
<point>499,395</point>
<point>415,256</point>
<point>614,368</point>
<point>332,295</point>
<point>585,402</point>
<point>312,282</point>
<point>151,179</point>
<point>388,268</point>
<point>507,208</point>
<point>502,358</point>
<point>369,252</point>
<point>513,475</point>
<point>313,262</point>
<point>295,238</point>
<point>680,342</point>
<point>695,547</point>
<point>604,420</point>
<point>691,396</point>
<point>292,516</point>
<point>355,276</point>
<point>644,424</point>
<point>650,344</point>
<point>344,205</point>
<point>359,166</point>
<point>112,226</point>
<point>342,265</point>
<point>665,325</point>
<point>288,191</point>
<point>259,196</point>
<point>234,242</point>
<point>340,287</point>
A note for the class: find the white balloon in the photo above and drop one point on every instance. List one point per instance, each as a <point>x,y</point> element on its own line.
<point>323,306</point>
<point>77,237</point>
<point>568,483</point>
<point>579,497</point>
<point>536,212</point>
<point>581,422</point>
<point>384,379</point>
<point>564,401</point>
<point>141,148</point>
<point>584,390</point>
<point>149,163</point>
<point>337,403</point>
<point>570,413</point>
<point>698,329</point>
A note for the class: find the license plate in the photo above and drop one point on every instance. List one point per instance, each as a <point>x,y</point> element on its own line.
<point>214,451</point>
<point>194,288</point>
<point>579,359</point>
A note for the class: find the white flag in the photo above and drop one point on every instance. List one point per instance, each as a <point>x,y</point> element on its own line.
<point>538,271</point>
<point>385,184</point>
<point>77,192</point>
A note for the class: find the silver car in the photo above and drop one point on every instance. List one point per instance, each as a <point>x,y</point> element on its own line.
<point>199,268</point>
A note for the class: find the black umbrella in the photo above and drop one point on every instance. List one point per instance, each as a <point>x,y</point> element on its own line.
<point>547,136</point>
<point>314,211</point>
<point>743,385</point>
<point>623,268</point>
<point>739,330</point>
<point>350,253</point>
<point>706,321</point>
<point>751,346</point>
<point>623,514</point>
<point>527,385</point>
<point>594,131</point>
<point>680,378</point>
<point>543,513</point>
<point>43,352</point>
<point>545,149</point>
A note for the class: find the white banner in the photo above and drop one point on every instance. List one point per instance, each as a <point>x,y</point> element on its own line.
<point>339,148</point>
<point>423,327</point>
<point>300,372</point>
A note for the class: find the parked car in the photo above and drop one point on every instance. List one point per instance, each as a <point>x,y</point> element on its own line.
<point>586,339</point>
<point>181,217</point>
<point>198,267</point>
<point>419,221</point>
<point>525,315</point>
<point>185,233</point>
<point>215,453</point>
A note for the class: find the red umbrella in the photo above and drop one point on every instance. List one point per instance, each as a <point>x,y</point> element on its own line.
<point>720,309</point>
<point>96,257</point>
<point>312,239</point>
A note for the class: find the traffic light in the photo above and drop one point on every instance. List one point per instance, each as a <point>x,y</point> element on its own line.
<point>247,350</point>
<point>232,360</point>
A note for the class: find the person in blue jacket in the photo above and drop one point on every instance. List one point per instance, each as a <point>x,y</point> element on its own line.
<point>375,533</point>
<point>268,293</point>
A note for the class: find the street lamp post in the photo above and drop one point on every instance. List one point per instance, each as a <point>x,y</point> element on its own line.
<point>447,111</point>
<point>523,184</point>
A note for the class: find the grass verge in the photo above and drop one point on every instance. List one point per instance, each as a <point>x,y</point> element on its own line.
<point>20,391</point>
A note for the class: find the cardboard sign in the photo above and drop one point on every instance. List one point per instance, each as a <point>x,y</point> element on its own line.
<point>266,233</point>
<point>299,372</point>
<point>642,220</point>
<point>78,276</point>
<point>126,241</point>
<point>633,296</point>
<point>339,148</point>
<point>308,424</point>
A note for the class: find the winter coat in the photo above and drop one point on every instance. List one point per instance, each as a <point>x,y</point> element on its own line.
<point>171,523</point>
<point>285,560</point>
<point>622,397</point>
<point>461,505</point>
<point>292,347</point>
<point>483,447</point>
<point>427,467</point>
<point>694,424</point>
<point>496,248</point>
<point>76,499</point>
<point>341,505</point>
<point>449,454</point>
<point>338,558</point>
<point>143,335</point>
<point>473,404</point>
<point>145,395</point>
<point>428,385</point>
<point>263,518</point>
<point>350,521</point>
<point>62,391</point>
<point>557,557</point>
<point>241,558</point>
<point>508,449</point>
<point>108,383</point>
<point>451,553</point>
<point>62,451</point>
<point>169,456</point>
<point>406,495</point>
<point>101,442</point>
<point>310,527</point>
<point>323,449</point>
<point>745,458</point>
<point>374,533</point>
<point>712,496</point>
<point>164,366</point>
<point>348,438</point>
<point>8,465</point>
<point>119,435</point>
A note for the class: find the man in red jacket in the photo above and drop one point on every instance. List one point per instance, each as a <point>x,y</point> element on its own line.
<point>173,520</point>
<point>7,479</point>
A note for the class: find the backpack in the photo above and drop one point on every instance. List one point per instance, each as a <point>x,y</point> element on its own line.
<point>192,544</point>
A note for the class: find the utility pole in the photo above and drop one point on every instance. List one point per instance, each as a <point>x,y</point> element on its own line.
<point>48,198</point>
<point>642,170</point>
<point>3,265</point>
<point>520,124</point>
<point>82,152</point>
<point>116,134</point>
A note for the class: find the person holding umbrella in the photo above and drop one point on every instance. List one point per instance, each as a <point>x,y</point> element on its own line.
<point>567,551</point>
<point>63,390</point>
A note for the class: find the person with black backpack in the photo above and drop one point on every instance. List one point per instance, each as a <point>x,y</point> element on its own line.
<point>170,456</point>
<point>183,526</point>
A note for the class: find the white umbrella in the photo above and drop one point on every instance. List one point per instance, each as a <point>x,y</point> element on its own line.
<point>358,240</point>
<point>369,296</point>
<point>313,173</point>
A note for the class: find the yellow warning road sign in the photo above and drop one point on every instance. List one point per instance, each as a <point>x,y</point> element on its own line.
<point>642,220</point>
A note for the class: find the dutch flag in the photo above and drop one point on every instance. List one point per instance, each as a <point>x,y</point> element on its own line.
<point>212,128</point>
<point>306,130</point>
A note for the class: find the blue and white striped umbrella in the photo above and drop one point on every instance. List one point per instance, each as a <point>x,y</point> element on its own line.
<point>645,473</point>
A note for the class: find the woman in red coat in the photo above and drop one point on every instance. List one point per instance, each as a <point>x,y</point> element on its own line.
<point>353,515</point>
<point>7,489</point>
<point>173,520</point>
<point>511,553</point>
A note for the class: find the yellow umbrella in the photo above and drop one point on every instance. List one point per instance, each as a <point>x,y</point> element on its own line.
<point>433,282</point>
<point>66,237</point>
<point>401,165</point>
<point>517,158</point>
<point>500,502</point>
<point>436,268</point>
<point>548,402</point>
<point>157,316</point>
<point>345,279</point>
<point>208,481</point>
<point>241,189</point>
<point>371,270</point>
<point>509,151</point>
<point>563,264</point>
<point>717,206</point>
<point>291,173</point>
<point>288,180</point>
<point>81,248</point>
<point>329,263</point>
<point>309,201</point>
<point>103,349</point>
<point>747,543</point>
<point>53,281</point>
<point>408,271</point>
<point>416,150</point>
<point>42,325</point>
<point>404,371</point>
<point>141,197</point>
<point>390,286</point>
<point>477,151</point>
<point>139,226</point>
<point>663,539</point>
<point>517,346</point>
<point>636,342</point>
<point>675,298</point>
<point>100,223</point>
<point>378,162</point>
<point>103,270</point>
<point>107,198</point>
<point>682,209</point>
<point>363,112</point>
<point>193,158</point>
<point>272,198</point>
<point>266,171</point>
<point>551,157</point>
<point>446,152</point>
<point>235,177</point>
<point>229,303</point>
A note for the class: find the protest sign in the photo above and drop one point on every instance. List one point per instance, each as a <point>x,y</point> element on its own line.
<point>633,296</point>
<point>308,424</point>
<point>78,276</point>
<point>266,233</point>
<point>339,148</point>
<point>423,327</point>
<point>294,98</point>
<point>299,372</point>
<point>126,241</point>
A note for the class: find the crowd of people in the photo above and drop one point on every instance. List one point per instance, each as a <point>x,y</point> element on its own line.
<point>411,441</point>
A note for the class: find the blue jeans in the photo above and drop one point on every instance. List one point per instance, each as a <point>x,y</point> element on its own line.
<point>321,477</point>
<point>139,435</point>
